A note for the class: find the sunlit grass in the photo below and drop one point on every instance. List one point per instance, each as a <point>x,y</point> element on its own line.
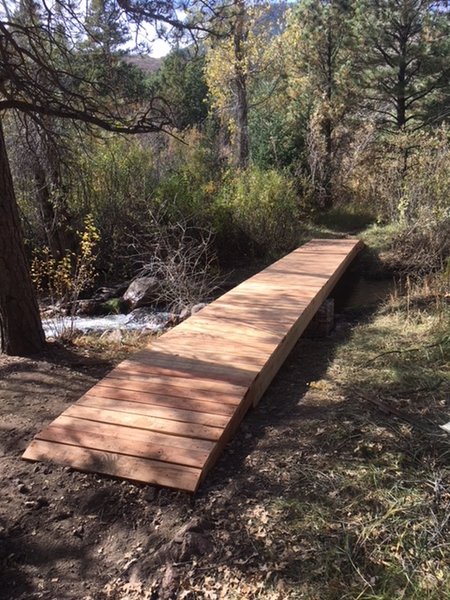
<point>372,521</point>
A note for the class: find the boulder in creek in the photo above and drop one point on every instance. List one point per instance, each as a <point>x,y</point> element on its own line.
<point>143,291</point>
<point>105,293</point>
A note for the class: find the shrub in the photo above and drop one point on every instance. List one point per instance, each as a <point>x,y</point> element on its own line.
<point>117,188</point>
<point>181,257</point>
<point>260,206</point>
<point>65,279</point>
<point>404,177</point>
<point>190,179</point>
<point>422,248</point>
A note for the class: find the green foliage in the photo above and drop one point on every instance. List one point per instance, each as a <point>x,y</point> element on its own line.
<point>102,57</point>
<point>113,306</point>
<point>322,87</point>
<point>189,183</point>
<point>406,76</point>
<point>276,139</point>
<point>349,217</point>
<point>404,177</point>
<point>117,188</point>
<point>181,82</point>
<point>262,208</point>
<point>242,71</point>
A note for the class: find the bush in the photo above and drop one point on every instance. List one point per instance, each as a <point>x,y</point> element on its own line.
<point>261,208</point>
<point>404,177</point>
<point>422,248</point>
<point>181,257</point>
<point>188,185</point>
<point>117,188</point>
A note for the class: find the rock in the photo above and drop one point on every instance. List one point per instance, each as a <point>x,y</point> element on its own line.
<point>23,489</point>
<point>112,336</point>
<point>197,308</point>
<point>113,306</point>
<point>184,314</point>
<point>322,323</point>
<point>105,293</point>
<point>94,308</point>
<point>143,291</point>
<point>89,308</point>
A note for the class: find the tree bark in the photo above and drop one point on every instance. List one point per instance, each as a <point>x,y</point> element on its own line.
<point>54,219</point>
<point>242,145</point>
<point>328,127</point>
<point>21,330</point>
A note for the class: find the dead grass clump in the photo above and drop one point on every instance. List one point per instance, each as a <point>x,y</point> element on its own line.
<point>422,248</point>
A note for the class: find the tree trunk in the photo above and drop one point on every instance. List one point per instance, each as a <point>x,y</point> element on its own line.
<point>242,145</point>
<point>328,167</point>
<point>328,170</point>
<point>54,220</point>
<point>21,330</point>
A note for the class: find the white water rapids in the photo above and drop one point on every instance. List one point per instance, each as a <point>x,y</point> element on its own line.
<point>152,323</point>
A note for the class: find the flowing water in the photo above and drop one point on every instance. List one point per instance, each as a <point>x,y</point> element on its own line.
<point>151,323</point>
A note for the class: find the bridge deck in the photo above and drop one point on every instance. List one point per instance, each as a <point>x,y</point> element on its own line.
<point>164,415</point>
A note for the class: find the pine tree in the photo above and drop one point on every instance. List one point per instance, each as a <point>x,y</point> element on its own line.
<point>181,81</point>
<point>405,62</point>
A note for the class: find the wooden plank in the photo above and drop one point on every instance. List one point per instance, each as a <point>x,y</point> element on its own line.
<point>279,356</point>
<point>143,396</point>
<point>231,375</point>
<point>185,443</point>
<point>251,364</point>
<point>117,465</point>
<point>204,324</point>
<point>228,342</point>
<point>202,432</point>
<point>212,349</point>
<point>159,383</point>
<point>165,415</point>
<point>192,365</point>
<point>122,445</point>
<point>151,410</point>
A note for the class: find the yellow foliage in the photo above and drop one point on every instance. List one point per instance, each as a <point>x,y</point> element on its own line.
<point>258,60</point>
<point>65,278</point>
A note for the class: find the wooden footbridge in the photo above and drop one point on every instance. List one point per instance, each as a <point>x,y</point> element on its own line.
<point>164,415</point>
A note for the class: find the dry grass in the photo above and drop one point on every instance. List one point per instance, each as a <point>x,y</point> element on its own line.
<point>381,529</point>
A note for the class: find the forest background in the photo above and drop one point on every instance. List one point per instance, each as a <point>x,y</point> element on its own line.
<point>263,121</point>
